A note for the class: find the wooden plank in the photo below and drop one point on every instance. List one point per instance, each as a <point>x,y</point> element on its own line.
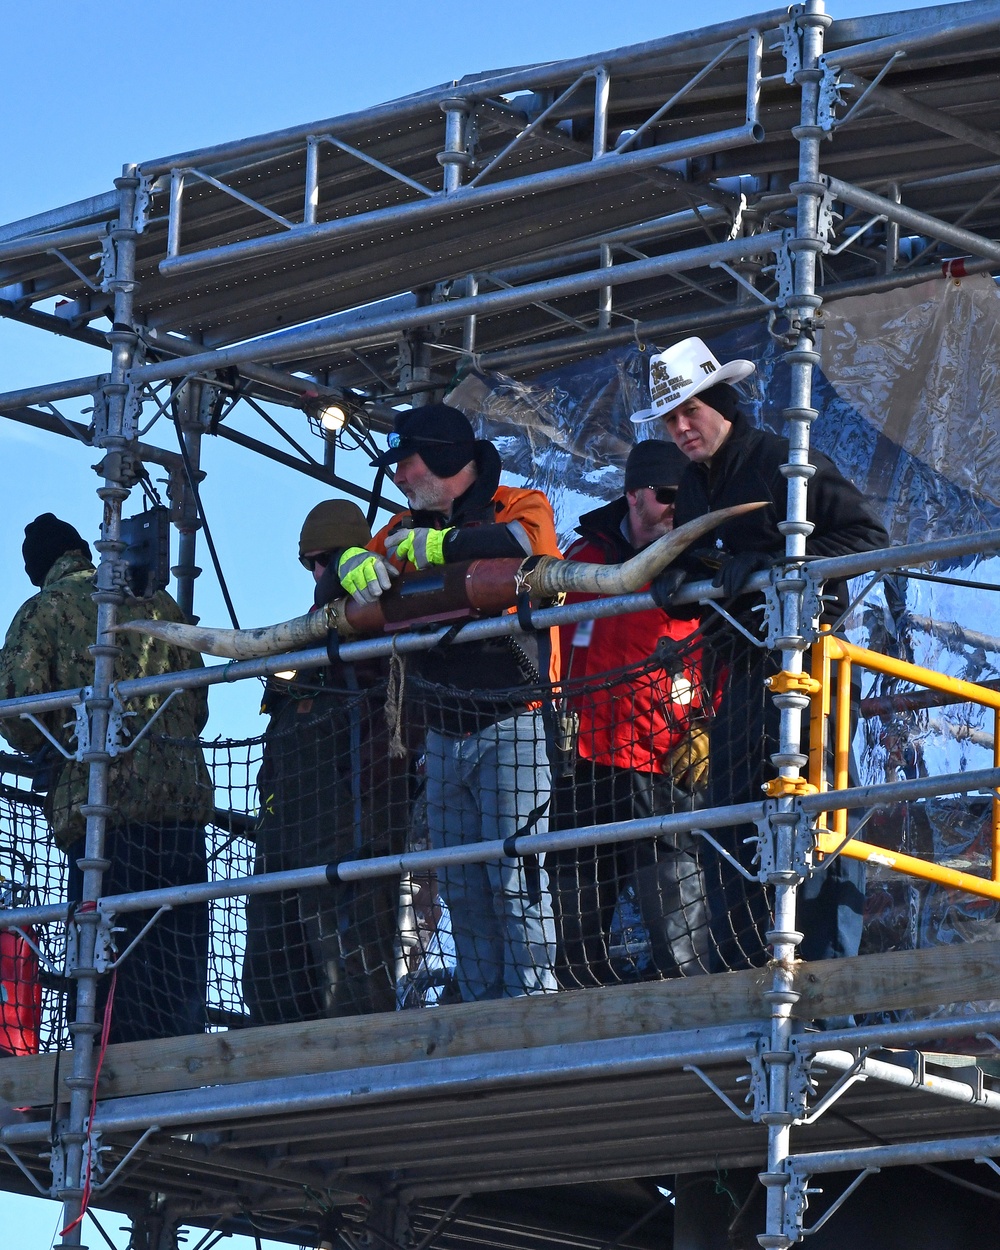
<point>892,981</point>
<point>399,1037</point>
<point>898,980</point>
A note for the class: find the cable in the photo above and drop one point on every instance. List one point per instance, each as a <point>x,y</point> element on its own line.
<point>948,581</point>
<point>105,1034</point>
<point>279,430</point>
<point>189,470</point>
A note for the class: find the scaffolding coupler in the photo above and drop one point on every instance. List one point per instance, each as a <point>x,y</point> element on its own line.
<point>788,787</point>
<point>793,683</point>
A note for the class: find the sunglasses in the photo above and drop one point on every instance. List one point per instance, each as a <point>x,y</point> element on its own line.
<point>310,562</point>
<point>664,494</point>
<point>395,441</point>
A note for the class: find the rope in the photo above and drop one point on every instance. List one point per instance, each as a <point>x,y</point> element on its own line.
<point>394,695</point>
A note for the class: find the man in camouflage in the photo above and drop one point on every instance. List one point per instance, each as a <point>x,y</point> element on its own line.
<point>161,790</point>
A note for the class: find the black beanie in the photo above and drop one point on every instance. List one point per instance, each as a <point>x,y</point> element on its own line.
<point>654,462</point>
<point>46,538</point>
<point>723,398</point>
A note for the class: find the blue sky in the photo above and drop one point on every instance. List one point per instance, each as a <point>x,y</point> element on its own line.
<point>89,86</point>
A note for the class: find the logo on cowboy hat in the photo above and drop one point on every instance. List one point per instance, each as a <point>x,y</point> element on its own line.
<point>683,370</point>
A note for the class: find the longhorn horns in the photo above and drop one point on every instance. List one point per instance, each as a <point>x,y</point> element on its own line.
<point>549,577</point>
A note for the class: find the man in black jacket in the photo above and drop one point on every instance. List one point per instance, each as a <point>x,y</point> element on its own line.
<point>329,790</point>
<point>732,462</point>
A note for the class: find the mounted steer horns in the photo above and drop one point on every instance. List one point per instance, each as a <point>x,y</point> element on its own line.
<point>450,592</point>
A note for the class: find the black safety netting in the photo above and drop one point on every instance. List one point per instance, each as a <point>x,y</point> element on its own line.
<point>375,760</point>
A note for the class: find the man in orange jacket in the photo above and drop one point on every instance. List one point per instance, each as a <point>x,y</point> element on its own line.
<point>487,768</point>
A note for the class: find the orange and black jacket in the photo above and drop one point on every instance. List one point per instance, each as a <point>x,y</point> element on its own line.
<point>489,521</point>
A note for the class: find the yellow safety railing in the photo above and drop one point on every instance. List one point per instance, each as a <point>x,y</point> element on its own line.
<point>831,652</point>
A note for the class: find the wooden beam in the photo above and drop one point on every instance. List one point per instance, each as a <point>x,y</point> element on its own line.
<point>895,980</point>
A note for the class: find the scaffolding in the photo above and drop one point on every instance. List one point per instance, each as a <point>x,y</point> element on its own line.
<point>751,171</point>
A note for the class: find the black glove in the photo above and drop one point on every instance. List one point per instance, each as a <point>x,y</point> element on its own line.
<point>328,587</point>
<point>736,571</point>
<point>666,584</point>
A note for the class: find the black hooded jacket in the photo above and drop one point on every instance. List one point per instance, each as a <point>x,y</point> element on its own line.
<point>747,468</point>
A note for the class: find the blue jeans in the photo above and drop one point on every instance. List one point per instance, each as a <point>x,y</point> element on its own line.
<point>493,784</point>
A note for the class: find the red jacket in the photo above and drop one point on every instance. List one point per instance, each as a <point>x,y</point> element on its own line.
<point>635,723</point>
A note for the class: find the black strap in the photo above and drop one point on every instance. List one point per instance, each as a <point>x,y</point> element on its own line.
<point>534,816</point>
<point>333,647</point>
<point>523,601</point>
<point>523,604</point>
<point>450,635</point>
<point>373,507</point>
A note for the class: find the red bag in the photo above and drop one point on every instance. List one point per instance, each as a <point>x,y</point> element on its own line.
<point>20,995</point>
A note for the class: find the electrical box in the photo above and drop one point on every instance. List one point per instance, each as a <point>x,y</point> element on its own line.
<point>147,551</point>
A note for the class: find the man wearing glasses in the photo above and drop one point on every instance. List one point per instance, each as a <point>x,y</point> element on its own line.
<point>640,752</point>
<point>479,703</point>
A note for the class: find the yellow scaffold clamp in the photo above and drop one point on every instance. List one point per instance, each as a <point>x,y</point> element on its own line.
<point>786,787</point>
<point>793,683</point>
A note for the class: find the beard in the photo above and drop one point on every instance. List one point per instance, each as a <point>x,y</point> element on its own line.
<point>427,497</point>
<point>652,517</point>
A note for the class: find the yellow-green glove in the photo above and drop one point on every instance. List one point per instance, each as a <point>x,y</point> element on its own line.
<point>421,547</point>
<point>364,574</point>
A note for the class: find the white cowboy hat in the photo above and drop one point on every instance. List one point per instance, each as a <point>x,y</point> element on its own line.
<point>684,370</point>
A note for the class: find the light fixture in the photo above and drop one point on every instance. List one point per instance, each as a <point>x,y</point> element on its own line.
<point>332,417</point>
<point>330,411</point>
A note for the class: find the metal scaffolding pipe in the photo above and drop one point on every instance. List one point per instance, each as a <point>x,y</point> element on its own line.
<point>374,867</point>
<point>808,25</point>
<point>903,1034</point>
<point>52,392</point>
<point>907,1078</point>
<point>462,1074</point>
<point>858,1158</point>
<point>922,223</point>
<point>483,87</point>
<point>104,206</point>
<point>33,245</point>
<point>69,1155</point>
<point>832,568</point>
<point>296,344</point>
<point>879,50</point>
<point>957,178</point>
<point>611,165</point>
<point>277,379</point>
<point>687,323</point>
<point>881,795</point>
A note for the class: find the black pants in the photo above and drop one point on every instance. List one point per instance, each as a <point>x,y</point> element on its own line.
<point>160,985</point>
<point>586,882</point>
<point>321,952</point>
<point>830,912</point>
<point>329,791</point>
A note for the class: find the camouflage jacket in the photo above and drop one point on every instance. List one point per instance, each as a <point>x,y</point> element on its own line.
<point>162,780</point>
